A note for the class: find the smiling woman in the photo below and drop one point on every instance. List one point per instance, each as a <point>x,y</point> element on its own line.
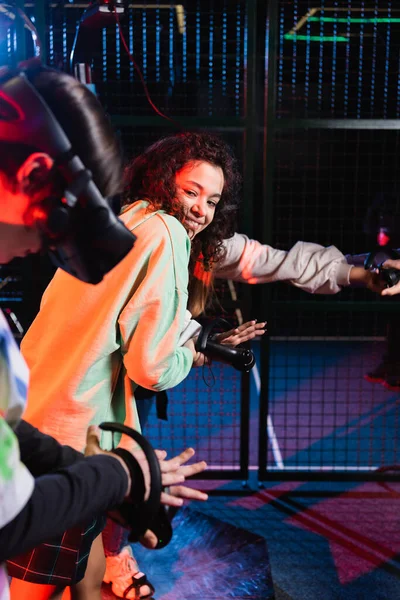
<point>91,346</point>
<point>199,186</point>
<point>128,327</point>
<point>164,175</point>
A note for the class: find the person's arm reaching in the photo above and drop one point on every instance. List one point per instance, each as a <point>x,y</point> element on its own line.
<point>310,267</point>
<point>76,494</point>
<point>62,500</point>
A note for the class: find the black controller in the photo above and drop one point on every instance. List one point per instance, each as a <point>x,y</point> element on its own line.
<point>136,514</point>
<point>241,359</point>
<point>390,276</point>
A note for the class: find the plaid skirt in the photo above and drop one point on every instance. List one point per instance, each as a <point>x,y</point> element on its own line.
<point>61,562</point>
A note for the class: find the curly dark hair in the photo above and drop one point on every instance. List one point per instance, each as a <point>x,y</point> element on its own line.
<point>151,176</point>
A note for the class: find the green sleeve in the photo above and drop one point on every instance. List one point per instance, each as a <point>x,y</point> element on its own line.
<point>152,321</point>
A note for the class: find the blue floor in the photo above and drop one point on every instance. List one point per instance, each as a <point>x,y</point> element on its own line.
<point>322,545</point>
<point>325,540</point>
<point>207,558</point>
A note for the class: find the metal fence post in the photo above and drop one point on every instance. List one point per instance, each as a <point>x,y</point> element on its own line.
<point>265,210</point>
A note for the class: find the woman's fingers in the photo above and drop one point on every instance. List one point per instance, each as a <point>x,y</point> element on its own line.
<point>149,540</point>
<point>391,291</point>
<point>172,478</point>
<point>392,263</point>
<point>200,360</point>
<point>174,463</point>
<point>243,333</point>
<point>169,500</point>
<point>251,332</point>
<point>161,454</point>
<point>181,493</point>
<point>251,327</point>
<point>92,441</point>
<point>225,335</point>
<point>236,331</point>
<point>180,474</point>
<point>175,470</point>
<point>194,469</point>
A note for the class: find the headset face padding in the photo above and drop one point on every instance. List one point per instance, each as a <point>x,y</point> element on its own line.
<point>79,228</point>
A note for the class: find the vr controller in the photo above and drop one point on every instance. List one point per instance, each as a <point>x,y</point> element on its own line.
<point>241,359</point>
<point>390,276</point>
<point>134,513</point>
<point>382,223</point>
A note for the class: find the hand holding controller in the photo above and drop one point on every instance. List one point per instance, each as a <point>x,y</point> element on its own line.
<point>389,275</point>
<point>241,359</point>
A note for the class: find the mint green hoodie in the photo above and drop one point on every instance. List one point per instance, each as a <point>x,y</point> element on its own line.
<point>90,346</point>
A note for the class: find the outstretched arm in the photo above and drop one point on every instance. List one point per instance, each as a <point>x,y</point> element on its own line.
<point>310,267</point>
<point>63,500</point>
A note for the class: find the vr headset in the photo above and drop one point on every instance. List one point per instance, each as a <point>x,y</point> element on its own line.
<point>78,227</point>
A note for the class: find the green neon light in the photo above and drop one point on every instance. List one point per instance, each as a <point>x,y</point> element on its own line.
<point>315,38</point>
<point>354,20</point>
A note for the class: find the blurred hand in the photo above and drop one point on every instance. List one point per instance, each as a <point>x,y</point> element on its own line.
<point>370,279</point>
<point>375,283</point>
<point>173,472</point>
<point>394,290</point>
<point>176,494</point>
<point>199,359</point>
<point>243,333</point>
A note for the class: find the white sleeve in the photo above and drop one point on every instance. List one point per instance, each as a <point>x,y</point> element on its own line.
<point>191,329</point>
<point>308,266</point>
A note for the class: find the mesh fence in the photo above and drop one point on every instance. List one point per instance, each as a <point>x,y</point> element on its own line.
<point>204,414</point>
<point>192,58</point>
<point>325,181</point>
<point>328,408</point>
<point>206,410</point>
<point>338,59</point>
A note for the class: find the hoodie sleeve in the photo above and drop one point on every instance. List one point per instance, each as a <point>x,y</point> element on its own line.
<point>153,320</point>
<point>308,266</point>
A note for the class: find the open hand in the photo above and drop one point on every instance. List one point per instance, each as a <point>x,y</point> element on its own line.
<point>175,471</point>
<point>176,494</point>
<point>243,333</point>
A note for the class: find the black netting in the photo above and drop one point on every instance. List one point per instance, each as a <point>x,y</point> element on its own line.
<point>338,59</point>
<point>192,62</point>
